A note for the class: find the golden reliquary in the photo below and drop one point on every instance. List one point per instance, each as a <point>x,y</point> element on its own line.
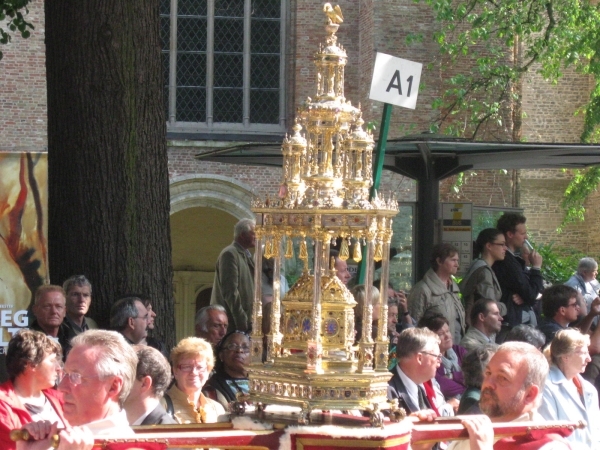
<point>311,360</point>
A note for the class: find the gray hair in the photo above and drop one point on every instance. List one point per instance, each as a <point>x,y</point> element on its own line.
<point>414,340</point>
<point>152,363</point>
<point>474,363</point>
<point>360,294</point>
<point>587,263</point>
<point>565,342</point>
<point>115,357</point>
<point>76,280</point>
<point>537,364</point>
<point>121,311</point>
<point>244,226</point>
<point>202,316</point>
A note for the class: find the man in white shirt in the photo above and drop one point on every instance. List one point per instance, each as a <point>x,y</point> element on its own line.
<point>152,378</point>
<point>485,321</point>
<point>97,378</point>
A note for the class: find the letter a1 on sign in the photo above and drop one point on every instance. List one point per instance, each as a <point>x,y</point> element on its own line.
<point>395,81</point>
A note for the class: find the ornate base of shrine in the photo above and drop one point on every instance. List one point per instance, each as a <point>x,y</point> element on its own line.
<point>326,391</point>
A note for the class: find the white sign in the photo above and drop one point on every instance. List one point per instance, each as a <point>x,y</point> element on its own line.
<point>395,81</point>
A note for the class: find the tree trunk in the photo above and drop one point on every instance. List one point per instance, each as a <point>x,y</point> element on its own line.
<point>107,155</point>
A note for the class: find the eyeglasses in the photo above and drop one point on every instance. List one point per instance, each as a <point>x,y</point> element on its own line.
<point>75,378</point>
<point>438,356</point>
<point>575,305</point>
<point>237,348</point>
<point>189,368</point>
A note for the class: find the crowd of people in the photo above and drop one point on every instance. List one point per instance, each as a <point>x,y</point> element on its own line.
<point>495,347</point>
<point>502,343</point>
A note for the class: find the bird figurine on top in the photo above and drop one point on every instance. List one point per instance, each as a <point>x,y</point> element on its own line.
<point>334,13</point>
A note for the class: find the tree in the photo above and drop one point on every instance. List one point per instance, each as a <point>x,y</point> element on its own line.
<point>504,40</point>
<point>10,12</point>
<point>107,156</point>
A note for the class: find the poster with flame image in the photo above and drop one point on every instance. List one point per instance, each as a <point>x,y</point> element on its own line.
<point>23,231</point>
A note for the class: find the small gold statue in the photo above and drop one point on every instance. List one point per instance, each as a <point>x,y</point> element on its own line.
<point>334,14</point>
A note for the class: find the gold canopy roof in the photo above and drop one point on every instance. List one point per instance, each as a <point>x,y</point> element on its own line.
<point>323,196</point>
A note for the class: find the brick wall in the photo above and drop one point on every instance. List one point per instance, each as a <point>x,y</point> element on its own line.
<point>23,125</point>
<point>369,26</point>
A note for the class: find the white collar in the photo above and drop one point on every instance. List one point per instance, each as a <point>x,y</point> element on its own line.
<point>115,425</point>
<point>412,388</point>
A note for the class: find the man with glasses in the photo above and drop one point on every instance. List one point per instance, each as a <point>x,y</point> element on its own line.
<point>561,308</point>
<point>413,382</point>
<point>129,317</point>
<point>49,309</point>
<point>97,378</point>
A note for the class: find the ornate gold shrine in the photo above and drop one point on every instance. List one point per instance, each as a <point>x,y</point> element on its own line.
<point>312,361</point>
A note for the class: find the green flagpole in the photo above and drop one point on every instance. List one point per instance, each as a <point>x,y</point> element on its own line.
<point>377,170</point>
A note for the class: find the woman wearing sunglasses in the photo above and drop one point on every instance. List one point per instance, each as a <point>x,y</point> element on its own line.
<point>231,371</point>
<point>33,363</point>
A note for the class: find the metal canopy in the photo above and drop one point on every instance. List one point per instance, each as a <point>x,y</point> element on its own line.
<point>429,158</point>
<point>410,155</point>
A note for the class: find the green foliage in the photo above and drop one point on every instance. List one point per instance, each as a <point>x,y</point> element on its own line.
<point>559,263</point>
<point>14,20</point>
<point>583,183</point>
<point>501,41</point>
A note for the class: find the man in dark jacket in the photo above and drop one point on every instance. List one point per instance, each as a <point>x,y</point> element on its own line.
<point>418,353</point>
<point>152,378</point>
<point>49,309</point>
<point>521,285</point>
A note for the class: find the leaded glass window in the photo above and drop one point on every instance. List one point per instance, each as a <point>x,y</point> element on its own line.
<point>223,64</point>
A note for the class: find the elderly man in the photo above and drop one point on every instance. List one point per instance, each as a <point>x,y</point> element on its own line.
<point>413,382</point>
<point>152,378</point>
<point>340,266</point>
<point>78,291</point>
<point>511,392</point>
<point>129,317</point>
<point>97,378</point>
<point>211,324</point>
<point>49,309</point>
<point>233,287</point>
<point>584,280</point>
<point>486,321</point>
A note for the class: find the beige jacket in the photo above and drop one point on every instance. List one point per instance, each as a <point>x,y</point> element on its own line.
<point>430,295</point>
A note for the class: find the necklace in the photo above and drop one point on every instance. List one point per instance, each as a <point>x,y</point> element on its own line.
<point>199,411</point>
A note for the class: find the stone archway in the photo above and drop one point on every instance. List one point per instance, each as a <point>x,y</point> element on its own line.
<point>204,209</point>
<point>212,191</point>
